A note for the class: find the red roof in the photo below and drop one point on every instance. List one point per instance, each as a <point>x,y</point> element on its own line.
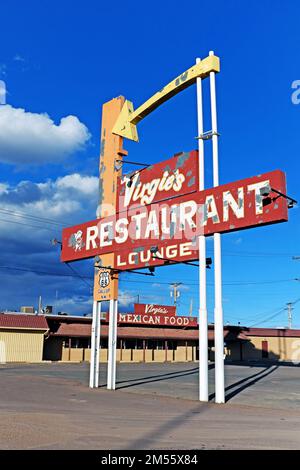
<point>22,321</point>
<point>80,330</point>
<point>272,332</point>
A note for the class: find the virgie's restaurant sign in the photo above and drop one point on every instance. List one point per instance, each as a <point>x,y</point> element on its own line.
<point>165,180</point>
<point>173,223</point>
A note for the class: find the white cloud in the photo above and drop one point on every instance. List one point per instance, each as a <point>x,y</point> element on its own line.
<point>26,242</point>
<point>3,69</point>
<point>126,298</point>
<point>75,305</point>
<point>18,58</point>
<point>67,199</point>
<point>3,188</point>
<point>86,184</point>
<point>27,137</point>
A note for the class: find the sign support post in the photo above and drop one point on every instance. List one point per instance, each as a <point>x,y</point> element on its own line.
<point>203,339</point>
<point>111,155</point>
<point>112,344</point>
<point>95,345</point>
<point>218,311</point>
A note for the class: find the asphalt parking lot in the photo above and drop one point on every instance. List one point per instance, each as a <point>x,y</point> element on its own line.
<point>49,406</point>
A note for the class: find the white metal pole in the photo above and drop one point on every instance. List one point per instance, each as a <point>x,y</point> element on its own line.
<point>203,341</point>
<point>218,311</point>
<point>112,345</point>
<point>115,343</point>
<point>93,346</point>
<point>97,344</point>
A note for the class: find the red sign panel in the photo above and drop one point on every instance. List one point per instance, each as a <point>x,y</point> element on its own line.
<point>165,180</point>
<point>174,225</point>
<point>158,319</point>
<point>155,309</point>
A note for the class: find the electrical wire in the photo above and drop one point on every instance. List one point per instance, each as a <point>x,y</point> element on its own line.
<point>18,268</point>
<point>25,215</point>
<point>267,319</point>
<point>78,275</point>
<point>28,225</point>
<point>238,283</point>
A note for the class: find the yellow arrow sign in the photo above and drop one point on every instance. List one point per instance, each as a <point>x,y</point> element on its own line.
<point>125,125</point>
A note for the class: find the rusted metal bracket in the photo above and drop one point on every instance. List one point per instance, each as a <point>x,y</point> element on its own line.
<point>125,125</point>
<point>207,135</point>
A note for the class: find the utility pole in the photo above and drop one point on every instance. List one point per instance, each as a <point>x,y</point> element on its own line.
<point>191,308</point>
<point>40,307</point>
<point>175,292</point>
<point>290,317</point>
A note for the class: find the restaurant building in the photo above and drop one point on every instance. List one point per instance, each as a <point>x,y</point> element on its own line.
<point>149,334</point>
<point>157,334</point>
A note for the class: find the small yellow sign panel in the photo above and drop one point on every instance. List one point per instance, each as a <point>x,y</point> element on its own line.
<point>105,281</point>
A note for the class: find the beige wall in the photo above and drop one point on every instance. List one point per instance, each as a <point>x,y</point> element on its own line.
<point>148,355</point>
<point>21,345</point>
<point>126,355</point>
<point>137,355</point>
<point>159,355</point>
<point>134,355</point>
<point>280,348</point>
<point>180,354</point>
<point>170,355</point>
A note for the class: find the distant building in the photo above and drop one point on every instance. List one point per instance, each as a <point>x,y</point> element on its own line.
<point>22,337</point>
<point>27,309</point>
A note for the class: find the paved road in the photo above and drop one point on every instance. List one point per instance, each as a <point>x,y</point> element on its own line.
<point>49,406</point>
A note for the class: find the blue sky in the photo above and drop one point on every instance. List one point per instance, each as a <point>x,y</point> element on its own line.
<point>65,59</point>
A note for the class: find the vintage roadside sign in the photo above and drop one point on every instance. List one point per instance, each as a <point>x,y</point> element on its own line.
<point>173,225</point>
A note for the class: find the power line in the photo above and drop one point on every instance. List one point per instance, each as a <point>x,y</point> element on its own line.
<point>47,273</point>
<point>25,215</point>
<point>37,271</point>
<point>238,283</point>
<point>268,319</point>
<point>28,225</point>
<point>276,314</point>
<point>78,275</point>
